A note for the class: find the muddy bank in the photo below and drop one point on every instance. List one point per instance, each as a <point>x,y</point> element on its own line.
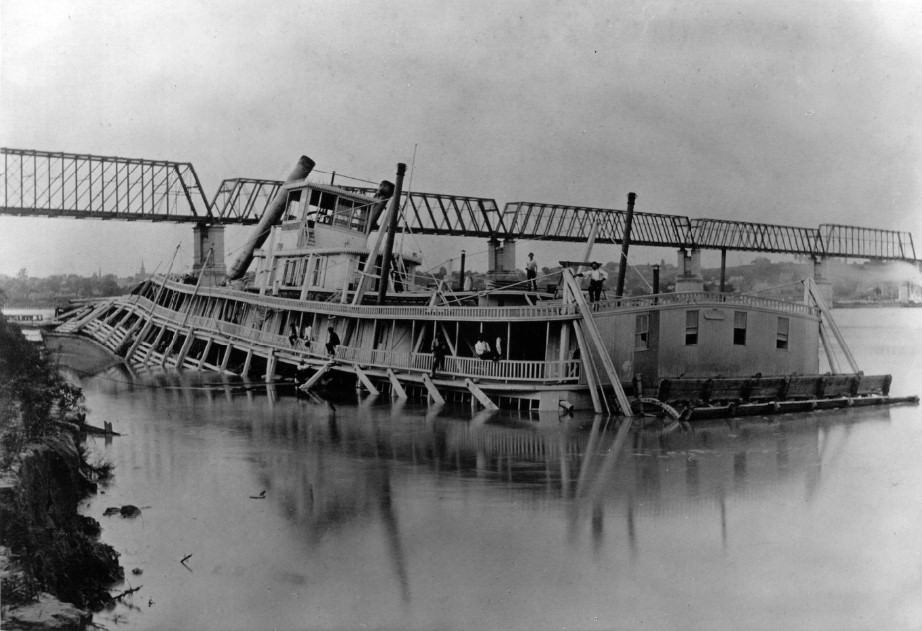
<point>49,552</point>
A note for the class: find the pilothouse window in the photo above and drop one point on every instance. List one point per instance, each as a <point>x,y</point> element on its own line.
<point>343,212</point>
<point>322,205</point>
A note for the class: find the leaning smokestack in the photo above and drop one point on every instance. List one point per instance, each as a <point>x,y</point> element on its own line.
<point>270,217</point>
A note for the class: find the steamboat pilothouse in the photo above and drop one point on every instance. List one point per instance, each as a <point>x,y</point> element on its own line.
<point>320,292</point>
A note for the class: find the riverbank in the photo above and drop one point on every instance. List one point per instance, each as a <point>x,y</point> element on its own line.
<point>53,569</point>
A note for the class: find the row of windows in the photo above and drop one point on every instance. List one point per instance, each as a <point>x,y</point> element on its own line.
<point>740,325</point>
<point>331,209</point>
<point>294,270</point>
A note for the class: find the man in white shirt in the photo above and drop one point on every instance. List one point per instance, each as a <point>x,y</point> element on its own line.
<point>531,272</point>
<point>597,278</point>
<point>482,348</point>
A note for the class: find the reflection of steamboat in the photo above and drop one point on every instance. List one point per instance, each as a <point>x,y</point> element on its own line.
<point>321,252</point>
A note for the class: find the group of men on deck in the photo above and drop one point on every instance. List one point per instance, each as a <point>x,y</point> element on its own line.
<point>597,277</point>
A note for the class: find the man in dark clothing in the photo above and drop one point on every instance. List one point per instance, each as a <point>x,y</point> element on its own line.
<point>332,341</point>
<point>439,351</point>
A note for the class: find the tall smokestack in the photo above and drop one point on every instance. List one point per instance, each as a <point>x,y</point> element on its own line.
<point>625,243</point>
<point>270,217</point>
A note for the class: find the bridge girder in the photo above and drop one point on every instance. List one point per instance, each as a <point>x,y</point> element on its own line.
<point>55,184</point>
<point>58,184</point>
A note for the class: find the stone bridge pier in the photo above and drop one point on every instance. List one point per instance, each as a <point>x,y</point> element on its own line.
<point>208,253</point>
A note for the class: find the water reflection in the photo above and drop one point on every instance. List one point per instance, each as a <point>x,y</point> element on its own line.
<point>336,469</point>
<point>328,463</point>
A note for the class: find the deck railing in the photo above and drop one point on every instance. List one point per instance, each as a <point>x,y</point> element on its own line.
<point>549,310</point>
<point>566,371</point>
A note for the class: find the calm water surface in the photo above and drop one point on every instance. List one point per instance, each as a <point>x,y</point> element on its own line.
<point>384,517</point>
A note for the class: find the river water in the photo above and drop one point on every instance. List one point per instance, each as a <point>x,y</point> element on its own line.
<point>296,514</point>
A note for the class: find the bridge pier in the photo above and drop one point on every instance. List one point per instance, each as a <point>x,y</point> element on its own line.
<point>689,277</point>
<point>821,279</point>
<point>208,246</point>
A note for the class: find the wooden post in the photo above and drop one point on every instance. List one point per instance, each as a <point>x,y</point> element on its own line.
<point>365,381</point>
<point>397,389</point>
<point>432,391</point>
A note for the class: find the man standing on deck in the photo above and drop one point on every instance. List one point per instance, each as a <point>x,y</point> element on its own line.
<point>482,348</point>
<point>597,278</point>
<point>531,272</point>
<point>332,341</point>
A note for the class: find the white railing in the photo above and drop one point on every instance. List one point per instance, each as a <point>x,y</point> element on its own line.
<point>549,310</point>
<point>567,371</point>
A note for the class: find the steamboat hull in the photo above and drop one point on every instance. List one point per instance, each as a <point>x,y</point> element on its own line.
<point>743,354</point>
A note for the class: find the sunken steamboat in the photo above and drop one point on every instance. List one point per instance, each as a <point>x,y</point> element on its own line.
<point>319,294</point>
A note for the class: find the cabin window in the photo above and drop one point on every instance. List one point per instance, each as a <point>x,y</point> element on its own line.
<point>318,271</point>
<point>293,211</point>
<point>691,327</point>
<point>784,329</point>
<point>739,328</point>
<point>288,278</point>
<point>641,331</point>
<point>301,273</point>
<point>322,207</point>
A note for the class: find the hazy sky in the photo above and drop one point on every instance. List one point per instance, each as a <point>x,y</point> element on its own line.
<point>782,112</point>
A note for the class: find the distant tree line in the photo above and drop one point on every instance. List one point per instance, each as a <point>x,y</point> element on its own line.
<point>25,290</point>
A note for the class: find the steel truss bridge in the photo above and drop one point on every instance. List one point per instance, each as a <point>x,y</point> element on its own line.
<point>54,184</point>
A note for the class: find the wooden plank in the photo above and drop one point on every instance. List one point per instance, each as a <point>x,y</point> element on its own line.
<point>480,395</point>
<point>588,367</point>
<point>307,385</point>
<point>434,393</point>
<point>596,338</point>
<point>366,381</point>
<point>396,386</point>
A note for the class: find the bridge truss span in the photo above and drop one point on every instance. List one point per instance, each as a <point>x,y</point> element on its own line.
<point>57,184</point>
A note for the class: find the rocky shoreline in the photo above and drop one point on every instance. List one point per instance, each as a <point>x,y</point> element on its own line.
<point>53,570</point>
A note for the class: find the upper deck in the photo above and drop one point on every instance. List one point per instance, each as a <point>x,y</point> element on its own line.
<point>543,310</point>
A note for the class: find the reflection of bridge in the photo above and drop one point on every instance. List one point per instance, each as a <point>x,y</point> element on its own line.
<point>51,184</point>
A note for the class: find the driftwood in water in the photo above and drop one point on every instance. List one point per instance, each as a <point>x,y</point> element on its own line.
<point>127,592</point>
<point>106,430</point>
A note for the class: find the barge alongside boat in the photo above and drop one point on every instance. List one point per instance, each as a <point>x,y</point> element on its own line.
<point>321,251</point>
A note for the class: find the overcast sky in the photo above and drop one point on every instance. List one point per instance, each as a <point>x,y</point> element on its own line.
<point>782,112</point>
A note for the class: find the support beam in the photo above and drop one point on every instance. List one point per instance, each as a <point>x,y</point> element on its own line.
<point>828,320</point>
<point>247,363</point>
<point>145,329</point>
<point>184,349</point>
<point>227,354</point>
<point>397,388</point>
<point>307,385</point>
<point>589,369</point>
<point>150,351</point>
<point>365,381</point>
<point>480,395</point>
<point>434,393</point>
<point>201,361</point>
<point>596,338</point>
<point>270,366</point>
